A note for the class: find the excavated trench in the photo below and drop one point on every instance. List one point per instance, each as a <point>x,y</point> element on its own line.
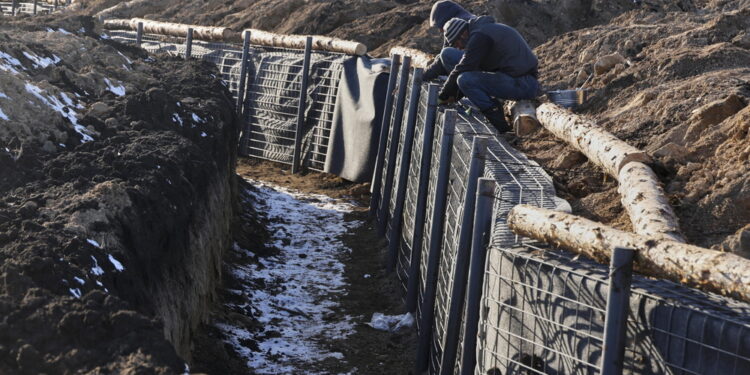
<point>126,233</point>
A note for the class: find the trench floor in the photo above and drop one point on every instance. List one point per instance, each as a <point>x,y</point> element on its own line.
<point>299,302</point>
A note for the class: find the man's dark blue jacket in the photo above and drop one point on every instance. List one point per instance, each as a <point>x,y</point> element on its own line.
<point>492,47</point>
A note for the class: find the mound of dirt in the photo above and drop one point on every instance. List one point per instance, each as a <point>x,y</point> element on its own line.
<point>379,24</point>
<point>116,201</point>
<point>676,84</point>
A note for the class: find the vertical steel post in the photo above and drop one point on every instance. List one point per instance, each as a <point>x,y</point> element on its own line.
<point>36,4</point>
<point>243,71</point>
<point>412,287</point>
<point>377,173</point>
<point>241,92</point>
<point>189,43</point>
<point>618,300</point>
<point>458,292</point>
<point>57,4</point>
<point>479,244</point>
<point>436,236</point>
<point>395,135</point>
<point>13,6</point>
<point>297,157</point>
<point>403,174</point>
<point>138,34</point>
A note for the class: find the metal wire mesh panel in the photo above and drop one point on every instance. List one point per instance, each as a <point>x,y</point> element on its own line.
<point>412,186</point>
<point>28,8</point>
<point>428,225</point>
<point>325,74</point>
<point>453,221</point>
<point>392,141</point>
<point>544,314</point>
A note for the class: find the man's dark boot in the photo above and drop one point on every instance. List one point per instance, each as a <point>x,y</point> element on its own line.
<point>496,117</point>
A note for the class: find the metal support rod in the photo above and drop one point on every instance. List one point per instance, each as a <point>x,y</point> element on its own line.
<point>189,44</point>
<point>479,241</point>
<point>395,134</point>
<point>616,318</point>
<point>13,7</point>
<point>138,33</point>
<point>436,235</point>
<point>36,4</point>
<point>243,72</point>
<point>377,174</point>
<point>297,157</point>
<point>57,4</point>
<point>394,236</point>
<point>412,286</point>
<point>476,169</point>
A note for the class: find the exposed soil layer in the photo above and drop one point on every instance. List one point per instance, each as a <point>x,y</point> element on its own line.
<point>116,199</point>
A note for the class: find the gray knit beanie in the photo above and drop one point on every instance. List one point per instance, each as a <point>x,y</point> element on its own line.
<point>453,28</point>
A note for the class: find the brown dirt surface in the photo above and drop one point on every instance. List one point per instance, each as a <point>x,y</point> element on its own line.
<point>91,233</point>
<point>682,95</point>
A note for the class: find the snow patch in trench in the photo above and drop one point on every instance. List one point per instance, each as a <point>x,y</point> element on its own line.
<point>297,304</point>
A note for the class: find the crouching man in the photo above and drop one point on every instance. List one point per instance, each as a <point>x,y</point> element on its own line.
<point>490,61</point>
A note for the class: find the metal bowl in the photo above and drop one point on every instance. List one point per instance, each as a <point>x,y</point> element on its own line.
<point>567,98</point>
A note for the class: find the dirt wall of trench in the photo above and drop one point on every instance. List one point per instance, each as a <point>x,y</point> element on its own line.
<point>117,196</point>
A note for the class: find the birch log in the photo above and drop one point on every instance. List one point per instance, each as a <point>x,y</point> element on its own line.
<point>321,43</point>
<point>600,146</point>
<point>714,271</point>
<point>523,115</point>
<point>419,59</point>
<point>640,191</point>
<point>180,30</point>
<point>643,197</point>
<point>117,24</point>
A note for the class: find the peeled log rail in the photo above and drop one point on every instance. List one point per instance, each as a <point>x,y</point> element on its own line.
<point>644,199</point>
<point>209,33</point>
<point>597,144</point>
<point>706,269</point>
<point>641,193</point>
<point>321,43</point>
<point>117,24</point>
<point>419,59</point>
<point>523,116</point>
<point>180,30</point>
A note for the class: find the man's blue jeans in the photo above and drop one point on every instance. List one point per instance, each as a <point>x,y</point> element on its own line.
<point>481,87</point>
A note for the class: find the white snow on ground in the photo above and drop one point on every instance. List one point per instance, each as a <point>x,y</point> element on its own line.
<point>302,283</point>
<point>41,62</point>
<point>118,90</point>
<point>116,263</point>
<point>9,63</point>
<point>93,242</point>
<point>55,103</point>
<point>96,270</point>
<point>3,116</point>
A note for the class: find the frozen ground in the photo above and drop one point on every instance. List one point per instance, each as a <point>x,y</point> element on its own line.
<point>295,293</point>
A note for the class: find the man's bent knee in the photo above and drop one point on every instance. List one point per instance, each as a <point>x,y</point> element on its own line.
<point>467,80</point>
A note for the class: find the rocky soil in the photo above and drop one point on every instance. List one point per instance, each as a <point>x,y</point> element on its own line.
<point>116,201</point>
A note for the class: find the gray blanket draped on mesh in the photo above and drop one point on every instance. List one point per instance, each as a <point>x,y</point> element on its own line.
<point>355,131</point>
